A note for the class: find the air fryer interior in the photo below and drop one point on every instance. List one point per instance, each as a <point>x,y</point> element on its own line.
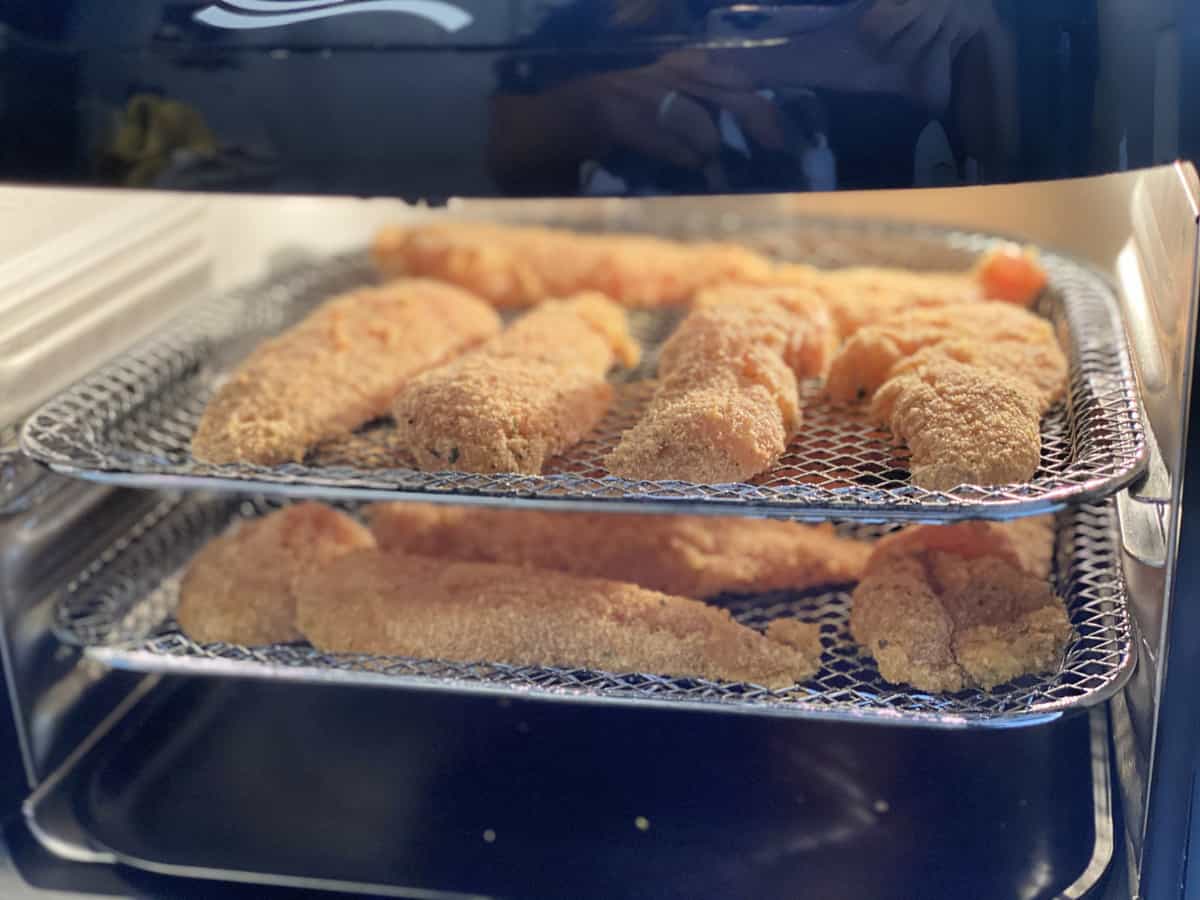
<point>456,797</point>
<point>421,794</point>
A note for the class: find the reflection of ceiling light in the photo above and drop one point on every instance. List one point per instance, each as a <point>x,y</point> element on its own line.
<point>847,809</point>
<point>248,14</point>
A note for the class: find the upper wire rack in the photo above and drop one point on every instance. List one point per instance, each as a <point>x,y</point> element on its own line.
<point>131,423</point>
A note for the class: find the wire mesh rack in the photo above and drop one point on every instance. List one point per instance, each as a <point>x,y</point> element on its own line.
<point>131,423</point>
<point>120,609</point>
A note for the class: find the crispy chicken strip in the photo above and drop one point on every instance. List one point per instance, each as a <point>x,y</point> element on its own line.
<point>727,400</point>
<point>944,608</point>
<point>524,396</point>
<point>1026,544</point>
<point>711,428</point>
<point>965,386</point>
<point>869,357</point>
<point>808,350</point>
<point>241,587</point>
<point>338,368</point>
<point>516,266</point>
<point>689,556</point>
<point>1042,366</point>
<point>963,424</point>
<point>498,415</point>
<point>860,296</point>
<point>393,604</point>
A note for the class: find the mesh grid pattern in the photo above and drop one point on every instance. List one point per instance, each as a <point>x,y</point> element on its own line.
<point>121,608</point>
<point>132,422</point>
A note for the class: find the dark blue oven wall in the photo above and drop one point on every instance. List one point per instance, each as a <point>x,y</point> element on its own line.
<point>386,103</point>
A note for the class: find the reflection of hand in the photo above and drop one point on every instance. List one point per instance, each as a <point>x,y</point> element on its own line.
<point>925,37</point>
<point>657,110</point>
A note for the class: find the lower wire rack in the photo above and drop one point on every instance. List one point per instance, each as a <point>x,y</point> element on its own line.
<point>120,610</point>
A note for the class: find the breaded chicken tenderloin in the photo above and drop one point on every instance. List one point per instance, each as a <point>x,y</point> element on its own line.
<point>792,321</point>
<point>860,296</point>
<point>514,266</point>
<point>727,399</point>
<point>970,410</point>
<point>1041,366</point>
<point>524,396</point>
<point>689,556</point>
<point>1026,544</point>
<point>964,386</point>
<point>868,358</point>
<point>241,587</point>
<point>338,368</point>
<point>944,608</point>
<point>394,604</point>
<point>963,424</point>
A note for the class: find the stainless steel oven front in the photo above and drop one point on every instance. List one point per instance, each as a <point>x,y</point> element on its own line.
<point>184,178</point>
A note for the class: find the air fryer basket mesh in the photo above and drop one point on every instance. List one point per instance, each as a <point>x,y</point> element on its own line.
<point>132,422</point>
<point>120,609</point>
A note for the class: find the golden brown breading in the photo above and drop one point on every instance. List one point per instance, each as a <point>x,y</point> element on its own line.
<point>515,266</point>
<point>869,357</point>
<point>587,330</point>
<point>938,611</point>
<point>338,368</point>
<point>393,604</point>
<point>498,415</point>
<point>523,397</point>
<point>1032,539</point>
<point>689,556</point>
<point>965,386</point>
<point>370,448</point>
<point>1026,544</point>
<point>804,335</point>
<point>725,431</point>
<point>900,621</point>
<point>727,399</point>
<point>1042,365</point>
<point>802,636</point>
<point>859,296</point>
<point>721,344</point>
<point>241,588</point>
<point>963,424</point>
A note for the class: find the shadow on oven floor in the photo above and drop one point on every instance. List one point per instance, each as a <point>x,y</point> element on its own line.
<point>455,797</point>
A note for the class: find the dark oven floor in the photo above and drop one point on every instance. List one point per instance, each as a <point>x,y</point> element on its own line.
<point>454,797</point>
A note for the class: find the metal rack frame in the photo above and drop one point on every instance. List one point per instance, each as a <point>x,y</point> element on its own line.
<point>120,612</point>
<point>131,423</point>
